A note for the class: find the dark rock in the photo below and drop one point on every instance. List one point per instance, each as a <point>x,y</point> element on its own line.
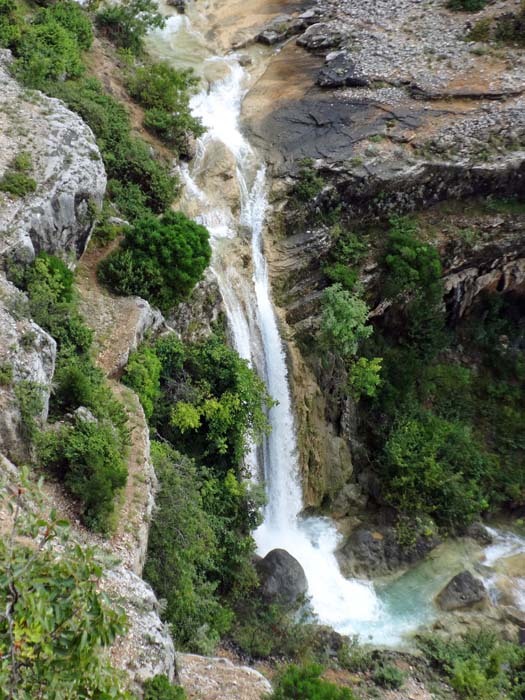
<point>340,72</point>
<point>377,552</point>
<point>281,577</point>
<point>179,5</point>
<point>478,532</point>
<point>463,591</point>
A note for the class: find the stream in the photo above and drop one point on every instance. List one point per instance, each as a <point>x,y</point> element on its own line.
<point>226,190</point>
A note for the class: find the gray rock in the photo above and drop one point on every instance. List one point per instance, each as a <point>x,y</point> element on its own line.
<point>179,5</point>
<point>478,532</point>
<point>376,552</point>
<point>281,577</point>
<point>28,354</point>
<point>320,36</point>
<point>66,165</point>
<point>463,591</point>
<point>339,72</point>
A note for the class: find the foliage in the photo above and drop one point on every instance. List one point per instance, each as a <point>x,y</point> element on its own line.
<point>127,23</point>
<point>142,374</point>
<point>309,183</point>
<point>344,257</point>
<point>30,401</point>
<point>159,688</point>
<point>165,92</point>
<point>466,5</point>
<point>87,457</point>
<point>183,554</point>
<point>434,467</point>
<point>137,182</point>
<point>343,322</point>
<point>15,180</point>
<point>355,657</point>
<point>159,259</point>
<point>43,571</point>
<point>47,51</point>
<point>478,665</point>
<point>69,15</point>
<point>305,683</point>
<point>6,373</point>
<point>365,377</point>
<point>388,677</point>
<point>10,23</point>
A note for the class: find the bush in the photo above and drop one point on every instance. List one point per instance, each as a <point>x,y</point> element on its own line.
<point>87,457</point>
<point>165,92</point>
<point>433,467</point>
<point>10,24</point>
<point>309,183</point>
<point>43,570</point>
<point>388,677</point>
<point>71,17</point>
<point>15,180</point>
<point>159,688</point>
<point>160,259</point>
<point>466,5</point>
<point>142,374</point>
<point>127,23</point>
<point>47,51</point>
<point>343,321</point>
<point>305,683</point>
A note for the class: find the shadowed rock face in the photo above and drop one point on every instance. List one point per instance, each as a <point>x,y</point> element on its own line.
<point>463,591</point>
<point>281,576</point>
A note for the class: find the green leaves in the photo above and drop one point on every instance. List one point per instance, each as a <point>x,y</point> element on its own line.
<point>54,624</point>
<point>343,322</point>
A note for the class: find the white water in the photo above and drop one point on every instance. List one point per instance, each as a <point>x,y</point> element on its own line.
<point>349,606</point>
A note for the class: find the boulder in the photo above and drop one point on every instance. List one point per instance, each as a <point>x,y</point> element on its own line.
<point>282,578</point>
<point>341,71</point>
<point>66,165</point>
<point>320,36</point>
<point>375,552</point>
<point>463,591</point>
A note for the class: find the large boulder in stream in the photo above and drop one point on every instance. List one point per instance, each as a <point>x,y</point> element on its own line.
<point>282,578</point>
<point>463,591</point>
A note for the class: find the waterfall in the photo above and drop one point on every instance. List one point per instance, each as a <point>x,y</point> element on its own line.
<point>349,606</point>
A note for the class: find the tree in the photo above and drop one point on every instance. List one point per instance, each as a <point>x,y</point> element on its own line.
<point>54,622</point>
<point>127,23</point>
<point>160,259</point>
<point>343,322</point>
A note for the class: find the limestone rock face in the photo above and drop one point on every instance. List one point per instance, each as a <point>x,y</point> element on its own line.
<point>27,360</point>
<point>282,577</point>
<point>463,591</point>
<point>220,679</point>
<point>66,165</point>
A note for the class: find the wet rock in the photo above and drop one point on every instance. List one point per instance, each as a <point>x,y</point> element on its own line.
<point>341,71</point>
<point>463,591</point>
<point>478,532</point>
<point>179,5</point>
<point>66,166</point>
<point>375,552</point>
<point>282,577</point>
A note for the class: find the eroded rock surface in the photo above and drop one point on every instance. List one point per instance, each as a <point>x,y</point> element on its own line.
<point>66,165</point>
<point>215,678</point>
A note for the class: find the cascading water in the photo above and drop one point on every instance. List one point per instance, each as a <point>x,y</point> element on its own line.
<point>350,606</point>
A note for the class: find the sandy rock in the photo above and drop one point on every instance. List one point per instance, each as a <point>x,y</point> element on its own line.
<point>214,678</point>
<point>67,167</point>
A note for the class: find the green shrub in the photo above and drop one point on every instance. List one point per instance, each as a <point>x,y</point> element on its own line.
<point>305,683</point>
<point>72,17</point>
<point>309,183</point>
<point>160,259</point>
<point>57,625</point>
<point>30,402</point>
<point>159,688</point>
<point>142,374</point>
<point>165,92</point>
<point>343,321</point>
<point>88,457</point>
<point>11,23</point>
<point>47,51</point>
<point>127,23</point>
<point>355,657</point>
<point>433,467</point>
<point>15,180</point>
<point>466,5</point>
<point>6,373</point>
<point>182,553</point>
<point>388,677</point>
